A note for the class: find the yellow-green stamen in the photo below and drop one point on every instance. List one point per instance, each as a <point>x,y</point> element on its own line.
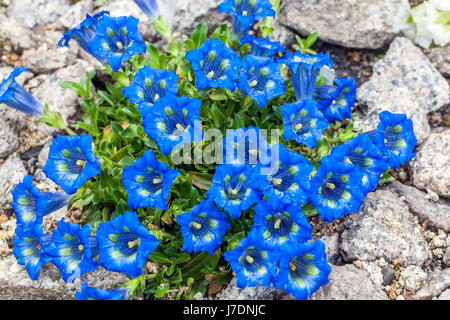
<point>249,259</point>
<point>210,75</point>
<point>196,225</point>
<point>298,127</point>
<point>277,224</point>
<point>331,186</point>
<point>277,181</point>
<point>132,244</point>
<point>156,180</point>
<point>253,83</point>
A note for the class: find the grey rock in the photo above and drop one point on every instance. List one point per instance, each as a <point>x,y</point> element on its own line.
<point>15,33</point>
<point>349,23</point>
<point>440,58</point>
<point>12,172</point>
<point>331,247</point>
<point>9,140</point>
<point>436,283</point>
<point>347,282</point>
<point>430,169</point>
<point>75,14</point>
<point>445,295</point>
<point>46,60</point>
<point>384,228</point>
<point>446,258</point>
<point>388,275</point>
<point>435,214</point>
<point>412,278</point>
<point>232,292</point>
<point>403,82</point>
<point>282,34</point>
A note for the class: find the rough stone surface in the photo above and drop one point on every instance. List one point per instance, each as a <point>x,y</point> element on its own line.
<point>412,278</point>
<point>12,172</point>
<point>435,284</point>
<point>9,140</point>
<point>347,282</point>
<point>440,58</point>
<point>232,292</point>
<point>435,214</point>
<point>430,169</point>
<point>350,23</point>
<point>15,33</point>
<point>331,247</point>
<point>388,275</point>
<point>403,82</point>
<point>445,295</point>
<point>446,258</point>
<point>75,14</point>
<point>45,60</point>
<point>385,228</point>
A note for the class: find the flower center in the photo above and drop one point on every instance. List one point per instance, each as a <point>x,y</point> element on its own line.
<point>331,186</point>
<point>298,126</point>
<point>80,247</point>
<point>252,260</point>
<point>199,226</point>
<point>253,83</point>
<point>210,75</point>
<point>235,188</point>
<point>283,179</point>
<point>279,224</point>
<point>133,243</point>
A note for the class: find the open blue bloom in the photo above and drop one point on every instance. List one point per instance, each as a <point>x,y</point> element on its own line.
<point>254,263</point>
<point>84,33</point>
<point>280,225</point>
<point>124,244</point>
<point>303,269</point>
<point>303,122</point>
<point>289,182</point>
<point>15,96</point>
<point>245,13</point>
<point>395,138</point>
<point>304,69</point>
<point>203,227</point>
<point>170,122</point>
<point>73,250</point>
<point>215,65</point>
<point>71,162</point>
<point>91,293</point>
<point>336,102</point>
<point>29,247</point>
<point>263,47</point>
<point>148,182</point>
<point>31,205</point>
<point>231,191</point>
<point>150,84</point>
<point>336,188</point>
<point>150,7</point>
<point>117,40</point>
<point>361,152</point>
<point>260,78</point>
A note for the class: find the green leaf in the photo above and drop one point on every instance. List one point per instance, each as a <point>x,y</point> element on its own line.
<point>199,35</point>
<point>160,257</point>
<point>217,115</point>
<point>323,147</point>
<point>201,180</point>
<point>312,38</point>
<point>386,178</point>
<point>309,210</point>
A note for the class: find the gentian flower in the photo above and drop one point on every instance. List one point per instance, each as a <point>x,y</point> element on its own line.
<point>361,152</point>
<point>29,247</point>
<point>303,269</point>
<point>215,65</point>
<point>336,102</point>
<point>91,293</point>
<point>15,96</point>
<point>231,191</point>
<point>117,40</point>
<point>262,47</point>
<point>170,119</point>
<point>304,69</point>
<point>303,122</point>
<point>260,78</point>
<point>84,33</point>
<point>280,225</point>
<point>71,162</point>
<point>245,13</point>
<point>31,205</point>
<point>254,263</point>
<point>336,188</point>
<point>148,182</point>
<point>290,181</point>
<point>73,250</point>
<point>203,227</point>
<point>124,244</point>
<point>150,7</point>
<point>149,85</point>
<point>395,138</point>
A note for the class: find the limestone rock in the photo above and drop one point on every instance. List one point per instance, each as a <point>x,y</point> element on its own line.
<point>232,292</point>
<point>436,283</point>
<point>412,278</point>
<point>46,60</point>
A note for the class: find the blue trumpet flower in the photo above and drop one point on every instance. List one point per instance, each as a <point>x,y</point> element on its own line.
<point>254,263</point>
<point>124,244</point>
<point>71,162</point>
<point>304,69</point>
<point>395,138</point>
<point>148,182</point>
<point>303,122</point>
<point>149,85</point>
<point>73,250</point>
<point>15,96</point>
<point>336,188</point>
<point>84,33</point>
<point>29,245</point>
<point>117,40</point>
<point>215,65</point>
<point>361,152</point>
<point>263,47</point>
<point>303,269</point>
<point>245,13</point>
<point>289,182</point>
<point>150,7</point>
<point>91,293</point>
<point>336,102</point>
<point>203,227</point>
<point>231,191</point>
<point>31,205</point>
<point>171,121</point>
<point>260,78</point>
<point>280,225</point>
